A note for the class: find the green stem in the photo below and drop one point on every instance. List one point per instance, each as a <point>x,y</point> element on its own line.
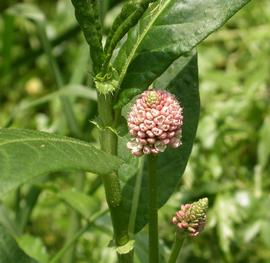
<point>152,210</point>
<point>177,245</point>
<point>108,141</point>
<point>74,239</point>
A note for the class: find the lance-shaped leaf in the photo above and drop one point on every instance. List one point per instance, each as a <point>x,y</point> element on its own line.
<point>181,79</point>
<point>26,154</point>
<point>10,251</point>
<point>168,29</point>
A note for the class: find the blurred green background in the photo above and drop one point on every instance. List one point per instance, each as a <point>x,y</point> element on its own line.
<point>231,156</point>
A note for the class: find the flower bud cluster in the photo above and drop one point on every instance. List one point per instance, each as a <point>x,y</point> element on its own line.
<point>192,217</point>
<point>154,122</point>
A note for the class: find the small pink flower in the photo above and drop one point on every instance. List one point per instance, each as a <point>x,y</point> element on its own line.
<point>155,121</point>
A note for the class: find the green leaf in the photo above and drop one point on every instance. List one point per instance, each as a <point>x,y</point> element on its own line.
<point>73,90</point>
<point>265,232</point>
<point>168,29</point>
<point>9,250</point>
<point>27,11</point>
<point>181,79</point>
<point>131,12</point>
<point>7,221</point>
<point>128,8</point>
<point>264,143</point>
<point>34,247</point>
<point>80,202</point>
<point>141,248</point>
<point>26,154</point>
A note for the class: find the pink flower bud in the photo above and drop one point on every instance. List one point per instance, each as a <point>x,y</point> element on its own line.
<point>192,217</point>
<point>155,120</point>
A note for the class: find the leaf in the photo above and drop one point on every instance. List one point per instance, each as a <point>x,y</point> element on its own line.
<point>167,30</point>
<point>252,230</point>
<point>27,11</point>
<point>9,250</point>
<point>130,14</point>
<point>6,221</point>
<point>128,8</point>
<point>80,202</point>
<point>264,143</point>
<point>73,90</point>
<point>34,247</point>
<point>227,214</point>
<point>27,154</point>
<point>265,232</point>
<point>181,79</point>
<point>141,248</point>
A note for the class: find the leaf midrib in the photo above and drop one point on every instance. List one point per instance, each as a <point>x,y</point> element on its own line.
<point>139,40</point>
<point>45,140</point>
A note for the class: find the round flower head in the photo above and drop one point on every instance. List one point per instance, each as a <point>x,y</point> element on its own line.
<point>155,121</point>
<point>192,217</point>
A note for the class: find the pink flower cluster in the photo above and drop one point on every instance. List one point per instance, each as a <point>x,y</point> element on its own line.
<point>192,217</point>
<point>154,122</point>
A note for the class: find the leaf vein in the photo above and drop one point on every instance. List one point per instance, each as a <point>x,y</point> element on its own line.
<point>139,40</point>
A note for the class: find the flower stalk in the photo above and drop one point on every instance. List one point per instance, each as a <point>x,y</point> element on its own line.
<point>152,210</point>
<point>155,122</point>
<point>177,245</point>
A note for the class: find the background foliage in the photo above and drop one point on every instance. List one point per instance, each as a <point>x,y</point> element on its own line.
<point>230,158</point>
